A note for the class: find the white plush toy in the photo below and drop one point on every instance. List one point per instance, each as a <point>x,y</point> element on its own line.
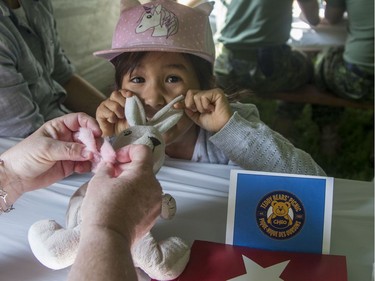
<point>56,247</point>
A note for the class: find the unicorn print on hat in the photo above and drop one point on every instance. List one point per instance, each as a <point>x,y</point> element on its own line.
<point>162,26</point>
<point>163,22</point>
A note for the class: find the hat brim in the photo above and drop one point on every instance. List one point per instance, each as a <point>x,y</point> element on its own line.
<point>110,54</point>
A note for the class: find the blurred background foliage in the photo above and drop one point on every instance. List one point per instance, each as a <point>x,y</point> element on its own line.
<point>355,161</point>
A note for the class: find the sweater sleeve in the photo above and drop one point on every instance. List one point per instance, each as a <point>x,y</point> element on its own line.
<point>251,144</point>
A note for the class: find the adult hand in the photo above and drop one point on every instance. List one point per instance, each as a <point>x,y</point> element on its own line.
<point>125,198</point>
<point>49,154</point>
<point>208,109</point>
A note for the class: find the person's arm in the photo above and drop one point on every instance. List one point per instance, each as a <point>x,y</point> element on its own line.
<point>334,11</point>
<point>82,96</point>
<point>310,11</point>
<point>117,210</point>
<point>251,144</point>
<point>20,115</point>
<point>50,154</point>
<point>103,255</point>
<point>244,138</point>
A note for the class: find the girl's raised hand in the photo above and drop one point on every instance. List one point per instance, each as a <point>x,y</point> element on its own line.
<point>110,113</point>
<point>209,109</point>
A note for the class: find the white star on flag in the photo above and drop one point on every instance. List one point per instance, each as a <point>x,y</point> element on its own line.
<point>255,272</point>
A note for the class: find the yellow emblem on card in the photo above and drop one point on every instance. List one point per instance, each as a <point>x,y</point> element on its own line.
<point>280,215</point>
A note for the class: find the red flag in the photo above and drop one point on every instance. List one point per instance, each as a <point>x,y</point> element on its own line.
<point>220,262</point>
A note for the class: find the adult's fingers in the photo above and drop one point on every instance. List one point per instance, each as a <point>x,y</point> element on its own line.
<point>74,121</point>
<point>134,153</point>
<point>56,150</point>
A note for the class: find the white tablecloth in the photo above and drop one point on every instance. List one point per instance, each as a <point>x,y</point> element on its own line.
<point>201,192</point>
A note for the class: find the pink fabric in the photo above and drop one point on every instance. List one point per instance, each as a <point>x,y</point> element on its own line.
<point>163,25</point>
<point>106,153</point>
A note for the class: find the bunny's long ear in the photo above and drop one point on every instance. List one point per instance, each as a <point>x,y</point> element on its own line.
<point>167,117</point>
<point>134,112</point>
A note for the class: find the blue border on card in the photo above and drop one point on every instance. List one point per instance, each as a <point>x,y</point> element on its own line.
<point>251,188</point>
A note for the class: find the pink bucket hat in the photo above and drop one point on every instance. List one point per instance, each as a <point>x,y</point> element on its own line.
<point>162,25</point>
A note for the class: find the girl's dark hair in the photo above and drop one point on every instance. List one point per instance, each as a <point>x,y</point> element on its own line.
<point>127,62</point>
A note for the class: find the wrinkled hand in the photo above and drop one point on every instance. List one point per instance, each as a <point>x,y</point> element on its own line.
<point>49,154</point>
<point>127,202</point>
<point>110,113</point>
<point>208,109</point>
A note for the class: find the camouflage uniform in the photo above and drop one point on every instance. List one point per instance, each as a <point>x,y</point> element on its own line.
<point>344,79</point>
<point>262,69</point>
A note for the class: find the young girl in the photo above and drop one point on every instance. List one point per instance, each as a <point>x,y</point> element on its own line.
<point>163,49</point>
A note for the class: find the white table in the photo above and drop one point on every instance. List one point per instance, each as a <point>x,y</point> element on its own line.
<point>201,192</point>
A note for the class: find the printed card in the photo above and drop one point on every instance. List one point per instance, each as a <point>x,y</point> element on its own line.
<point>282,212</point>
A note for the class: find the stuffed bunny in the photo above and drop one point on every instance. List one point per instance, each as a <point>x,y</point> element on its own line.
<point>56,247</point>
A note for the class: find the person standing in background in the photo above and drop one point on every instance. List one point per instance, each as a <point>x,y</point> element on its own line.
<point>346,71</point>
<point>37,81</point>
<point>252,51</point>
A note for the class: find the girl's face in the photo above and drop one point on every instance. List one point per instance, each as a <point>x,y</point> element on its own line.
<point>158,79</point>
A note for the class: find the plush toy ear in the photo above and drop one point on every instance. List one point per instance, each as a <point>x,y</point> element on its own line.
<point>134,112</point>
<point>167,117</point>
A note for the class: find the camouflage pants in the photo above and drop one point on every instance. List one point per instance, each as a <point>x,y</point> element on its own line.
<point>341,78</point>
<point>266,69</point>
